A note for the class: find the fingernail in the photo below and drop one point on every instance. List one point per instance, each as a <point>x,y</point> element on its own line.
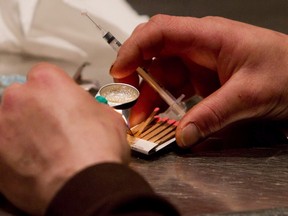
<point>111,67</point>
<point>190,135</point>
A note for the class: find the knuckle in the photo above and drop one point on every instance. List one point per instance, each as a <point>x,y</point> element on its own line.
<point>38,71</point>
<point>11,95</point>
<point>138,28</point>
<point>44,73</point>
<point>159,18</point>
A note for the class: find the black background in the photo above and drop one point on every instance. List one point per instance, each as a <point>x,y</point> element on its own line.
<point>271,14</point>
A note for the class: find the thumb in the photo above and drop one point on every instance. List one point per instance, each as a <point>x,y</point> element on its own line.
<point>225,106</point>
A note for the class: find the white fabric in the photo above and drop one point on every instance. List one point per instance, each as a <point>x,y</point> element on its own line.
<point>55,30</point>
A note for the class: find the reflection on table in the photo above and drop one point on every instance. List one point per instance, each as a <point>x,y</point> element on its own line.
<point>244,171</point>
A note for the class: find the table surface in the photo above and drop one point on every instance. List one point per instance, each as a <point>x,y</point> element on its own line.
<point>245,172</point>
<point>242,170</point>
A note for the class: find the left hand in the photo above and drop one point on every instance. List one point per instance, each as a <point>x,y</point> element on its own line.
<point>50,129</point>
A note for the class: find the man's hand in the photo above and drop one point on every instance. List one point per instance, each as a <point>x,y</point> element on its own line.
<point>50,129</point>
<point>241,71</point>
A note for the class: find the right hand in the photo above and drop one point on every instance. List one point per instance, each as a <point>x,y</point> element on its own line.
<point>241,71</point>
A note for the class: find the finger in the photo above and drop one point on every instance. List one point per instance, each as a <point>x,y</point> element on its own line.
<point>137,49</point>
<point>132,79</point>
<point>11,95</point>
<point>45,74</point>
<point>229,104</point>
<point>147,101</point>
<point>167,36</point>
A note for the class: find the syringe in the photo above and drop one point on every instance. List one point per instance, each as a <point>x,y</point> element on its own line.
<point>175,105</point>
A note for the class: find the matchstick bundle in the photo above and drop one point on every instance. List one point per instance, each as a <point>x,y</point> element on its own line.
<point>152,133</point>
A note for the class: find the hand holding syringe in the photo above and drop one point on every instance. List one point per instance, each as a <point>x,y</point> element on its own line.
<point>175,105</point>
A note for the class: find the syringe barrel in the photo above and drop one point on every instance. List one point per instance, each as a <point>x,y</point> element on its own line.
<point>112,41</point>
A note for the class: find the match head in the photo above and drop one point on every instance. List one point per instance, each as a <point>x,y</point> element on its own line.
<point>171,122</point>
<point>156,110</point>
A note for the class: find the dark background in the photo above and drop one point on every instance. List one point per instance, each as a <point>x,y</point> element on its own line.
<point>271,14</point>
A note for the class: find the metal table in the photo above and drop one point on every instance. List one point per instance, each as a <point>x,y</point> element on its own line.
<point>242,173</point>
